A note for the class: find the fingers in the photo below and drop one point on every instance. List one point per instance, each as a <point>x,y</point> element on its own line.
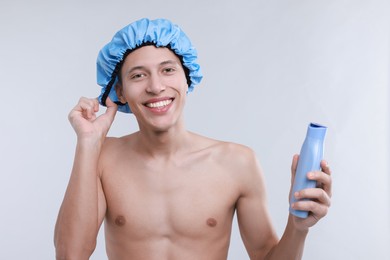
<point>89,107</point>
<point>294,167</point>
<point>314,194</point>
<point>323,192</point>
<point>87,123</point>
<point>86,107</point>
<point>316,200</point>
<point>323,178</point>
<point>325,167</point>
<point>316,209</point>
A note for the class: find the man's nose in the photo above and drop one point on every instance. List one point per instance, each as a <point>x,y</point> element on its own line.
<point>155,85</point>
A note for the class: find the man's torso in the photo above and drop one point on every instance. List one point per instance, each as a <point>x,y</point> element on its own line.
<point>176,209</point>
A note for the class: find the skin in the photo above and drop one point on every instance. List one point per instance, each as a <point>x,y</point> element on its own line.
<point>164,192</point>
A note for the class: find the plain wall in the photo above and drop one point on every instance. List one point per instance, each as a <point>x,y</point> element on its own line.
<point>270,68</point>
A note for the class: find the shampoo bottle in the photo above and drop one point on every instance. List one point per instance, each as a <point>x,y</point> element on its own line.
<point>310,157</point>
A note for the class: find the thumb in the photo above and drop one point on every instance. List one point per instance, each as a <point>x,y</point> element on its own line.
<point>294,164</point>
<point>112,108</point>
<point>294,167</point>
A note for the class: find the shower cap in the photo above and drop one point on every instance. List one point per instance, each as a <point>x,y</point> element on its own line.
<point>159,32</point>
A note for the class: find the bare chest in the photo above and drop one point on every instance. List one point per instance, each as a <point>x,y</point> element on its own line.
<point>192,202</point>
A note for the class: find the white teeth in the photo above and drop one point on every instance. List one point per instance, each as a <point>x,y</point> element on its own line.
<point>159,103</point>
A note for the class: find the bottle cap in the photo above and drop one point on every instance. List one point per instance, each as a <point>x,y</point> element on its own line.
<point>316,131</point>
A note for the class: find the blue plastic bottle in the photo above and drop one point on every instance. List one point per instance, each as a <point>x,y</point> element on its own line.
<point>312,152</point>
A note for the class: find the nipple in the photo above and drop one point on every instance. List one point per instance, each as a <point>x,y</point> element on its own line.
<point>120,221</point>
<point>211,222</point>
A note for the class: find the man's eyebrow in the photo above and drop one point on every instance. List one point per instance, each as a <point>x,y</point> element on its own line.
<point>133,69</point>
<point>167,62</point>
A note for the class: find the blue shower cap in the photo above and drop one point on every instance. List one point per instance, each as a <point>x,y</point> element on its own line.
<point>159,32</point>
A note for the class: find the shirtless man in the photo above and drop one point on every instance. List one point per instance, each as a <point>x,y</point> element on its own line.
<point>164,192</point>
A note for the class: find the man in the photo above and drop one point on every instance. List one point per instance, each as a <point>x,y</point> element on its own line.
<point>164,192</point>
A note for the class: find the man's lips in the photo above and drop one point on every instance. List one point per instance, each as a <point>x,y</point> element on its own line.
<point>158,103</point>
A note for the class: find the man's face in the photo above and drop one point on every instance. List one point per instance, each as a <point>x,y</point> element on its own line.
<point>154,85</point>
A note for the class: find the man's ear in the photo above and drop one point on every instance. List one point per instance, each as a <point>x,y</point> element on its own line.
<point>119,92</point>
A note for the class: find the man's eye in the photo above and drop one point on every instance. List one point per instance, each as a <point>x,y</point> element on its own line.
<point>137,76</point>
<point>168,70</point>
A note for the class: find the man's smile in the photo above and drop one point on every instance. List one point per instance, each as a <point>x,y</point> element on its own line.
<point>159,104</point>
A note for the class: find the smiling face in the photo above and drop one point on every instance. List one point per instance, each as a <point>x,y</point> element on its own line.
<point>154,85</point>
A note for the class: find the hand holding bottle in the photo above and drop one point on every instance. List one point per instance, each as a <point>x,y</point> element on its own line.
<point>311,182</point>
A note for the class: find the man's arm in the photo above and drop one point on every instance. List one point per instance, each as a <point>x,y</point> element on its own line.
<point>254,221</point>
<point>83,208</point>
<point>292,242</point>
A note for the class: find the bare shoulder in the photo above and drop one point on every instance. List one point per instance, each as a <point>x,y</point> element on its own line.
<point>112,145</point>
<point>236,157</point>
<point>243,166</point>
<point>231,151</point>
<point>114,148</point>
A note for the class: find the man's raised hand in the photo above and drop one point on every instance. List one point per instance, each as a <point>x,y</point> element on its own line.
<point>86,123</point>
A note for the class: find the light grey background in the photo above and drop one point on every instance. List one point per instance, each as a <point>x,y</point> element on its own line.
<point>270,68</point>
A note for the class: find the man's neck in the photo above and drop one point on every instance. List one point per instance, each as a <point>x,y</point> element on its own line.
<point>163,144</point>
